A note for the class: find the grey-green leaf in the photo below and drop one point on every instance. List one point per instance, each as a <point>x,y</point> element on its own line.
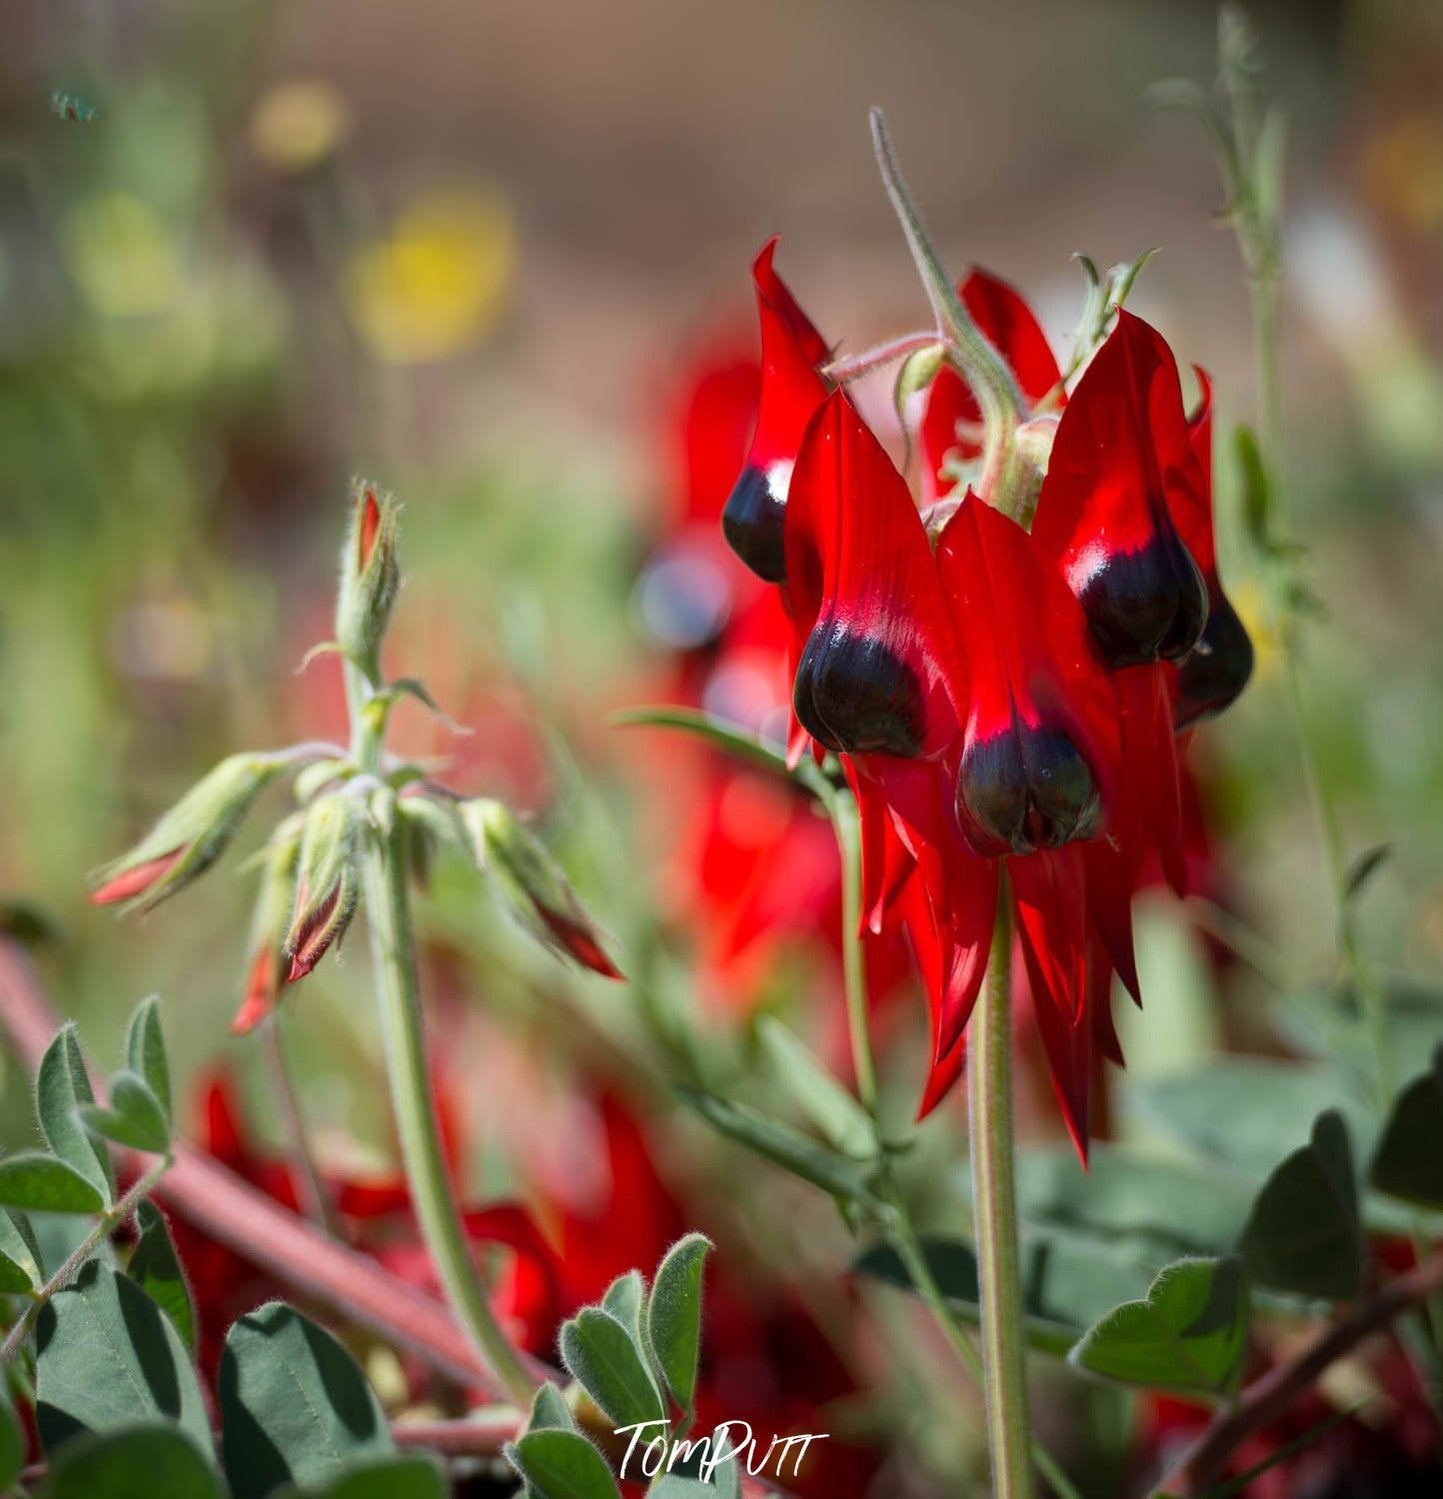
<point>106,1358</point>
<point>134,1118</point>
<point>673,1315</point>
<point>145,1051</point>
<point>155,1267</point>
<point>44,1183</point>
<point>1189,1333</point>
<point>625,1297</point>
<point>787,1147</point>
<point>549,1411</point>
<point>19,1245</point>
<point>155,1459</point>
<point>412,1475</point>
<point>1408,1163</point>
<point>1304,1233</point>
<point>821,1098</point>
<point>61,1086</point>
<point>295,1405</point>
<point>561,1465</point>
<point>604,1359</point>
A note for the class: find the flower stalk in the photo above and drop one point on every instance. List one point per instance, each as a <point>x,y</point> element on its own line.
<point>994,1195</point>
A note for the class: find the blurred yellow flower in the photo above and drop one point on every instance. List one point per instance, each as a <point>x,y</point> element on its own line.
<point>298,124</point>
<point>438,280</point>
<point>1403,169</point>
<point>122,256</point>
<point>1256,613</point>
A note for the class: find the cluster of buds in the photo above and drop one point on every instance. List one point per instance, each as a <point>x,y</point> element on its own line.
<point>1004,664</point>
<point>350,801</point>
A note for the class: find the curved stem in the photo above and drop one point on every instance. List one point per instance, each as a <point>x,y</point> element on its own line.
<point>105,1225</point>
<point>854,366</point>
<point>315,1200</point>
<point>994,1194</point>
<point>395,963</point>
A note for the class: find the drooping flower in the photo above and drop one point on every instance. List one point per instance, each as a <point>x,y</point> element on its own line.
<point>792,389</point>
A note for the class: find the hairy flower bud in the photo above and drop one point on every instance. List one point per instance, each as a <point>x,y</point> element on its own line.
<point>266,967</point>
<point>189,838</point>
<point>534,883</point>
<point>328,880</point>
<point>370,576</point>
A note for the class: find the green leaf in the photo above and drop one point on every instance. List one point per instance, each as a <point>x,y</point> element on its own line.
<point>758,752</point>
<point>1408,1163</point>
<point>156,1458</point>
<point>14,1279</point>
<point>1189,1333</point>
<point>295,1406</point>
<point>561,1465</point>
<point>12,1442</point>
<point>1067,1282</point>
<point>41,1183</point>
<point>61,1085</point>
<point>134,1118</point>
<point>155,1267</point>
<point>824,1101</point>
<point>412,1475</point>
<point>625,1297</point>
<point>549,1411</point>
<point>1243,1110</point>
<point>1160,1208</point>
<point>1304,1233</point>
<point>1256,492</point>
<point>780,1143</point>
<point>19,1245</point>
<point>107,1358</point>
<point>603,1357</point>
<point>673,1315</point>
<point>145,1052</point>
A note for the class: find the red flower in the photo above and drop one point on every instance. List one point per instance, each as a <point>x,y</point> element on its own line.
<point>792,354</point>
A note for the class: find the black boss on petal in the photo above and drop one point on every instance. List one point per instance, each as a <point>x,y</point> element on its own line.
<point>752,520</point>
<point>854,695</point>
<point>1024,789</point>
<point>1218,668</point>
<point>1148,605</point>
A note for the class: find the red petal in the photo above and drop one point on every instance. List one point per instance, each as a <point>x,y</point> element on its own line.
<point>579,941</point>
<point>135,881</point>
<point>261,991</point>
<point>314,935</point>
<point>792,351</point>
<point>1150,757</point>
<point>1008,323</point>
<point>863,591</point>
<point>1049,896</point>
<point>370,524</point>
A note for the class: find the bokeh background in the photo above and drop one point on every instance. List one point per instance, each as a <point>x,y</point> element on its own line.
<point>479,252</point>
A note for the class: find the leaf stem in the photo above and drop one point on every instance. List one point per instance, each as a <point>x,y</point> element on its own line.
<point>388,908</point>
<point>105,1225</point>
<point>994,1195</point>
<point>314,1197</point>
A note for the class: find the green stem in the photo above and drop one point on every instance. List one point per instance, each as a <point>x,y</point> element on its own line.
<point>985,370</point>
<point>315,1199</point>
<point>390,919</point>
<point>842,809</point>
<point>105,1225</point>
<point>994,1195</point>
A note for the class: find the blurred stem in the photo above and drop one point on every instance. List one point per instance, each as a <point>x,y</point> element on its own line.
<point>315,1200</point>
<point>842,809</point>
<point>388,907</point>
<point>994,1197</point>
<point>105,1225</point>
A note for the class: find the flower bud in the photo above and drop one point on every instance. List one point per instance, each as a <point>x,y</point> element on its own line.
<point>328,880</point>
<point>370,576</point>
<point>189,838</point>
<point>266,970</point>
<point>534,883</point>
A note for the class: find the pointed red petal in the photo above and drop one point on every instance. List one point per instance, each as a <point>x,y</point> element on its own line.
<point>872,658</point>
<point>1122,455</point>
<point>1150,754</point>
<point>135,881</point>
<point>579,941</point>
<point>261,991</point>
<point>792,352</point>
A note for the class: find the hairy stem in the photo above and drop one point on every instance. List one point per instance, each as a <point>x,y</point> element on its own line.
<point>994,1195</point>
<point>854,366</point>
<point>105,1225</point>
<point>388,908</point>
<point>842,809</point>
